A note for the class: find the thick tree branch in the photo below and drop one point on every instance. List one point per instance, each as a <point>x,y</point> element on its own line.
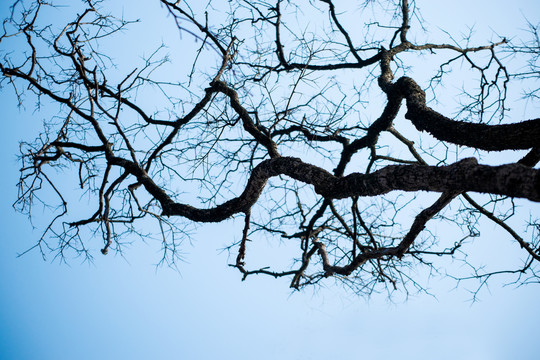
<point>522,135</point>
<point>511,180</point>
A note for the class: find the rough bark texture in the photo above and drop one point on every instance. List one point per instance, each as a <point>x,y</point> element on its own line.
<point>523,135</point>
<point>511,180</point>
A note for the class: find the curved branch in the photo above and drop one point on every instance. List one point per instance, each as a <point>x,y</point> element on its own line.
<point>522,135</point>
<point>258,132</point>
<point>467,175</point>
<point>287,66</point>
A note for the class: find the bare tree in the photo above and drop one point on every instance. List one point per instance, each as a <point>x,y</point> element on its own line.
<point>287,115</point>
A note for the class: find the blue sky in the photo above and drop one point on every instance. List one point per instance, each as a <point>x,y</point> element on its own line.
<point>118,308</point>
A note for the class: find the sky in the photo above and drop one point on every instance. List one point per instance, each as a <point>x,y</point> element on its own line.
<point>126,308</point>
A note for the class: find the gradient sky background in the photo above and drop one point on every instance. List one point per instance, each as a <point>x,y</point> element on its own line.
<point>121,308</point>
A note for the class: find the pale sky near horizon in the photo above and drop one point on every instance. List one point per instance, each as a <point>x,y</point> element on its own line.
<point>118,308</point>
